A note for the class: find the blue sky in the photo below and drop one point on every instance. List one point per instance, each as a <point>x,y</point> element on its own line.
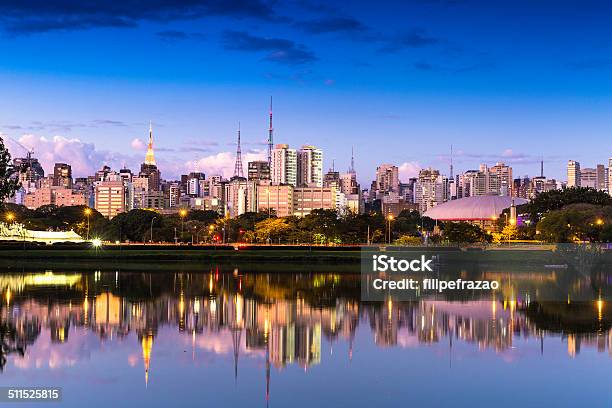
<point>399,81</point>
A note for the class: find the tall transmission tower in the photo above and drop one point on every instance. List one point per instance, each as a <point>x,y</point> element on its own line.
<point>270,137</point>
<point>238,171</point>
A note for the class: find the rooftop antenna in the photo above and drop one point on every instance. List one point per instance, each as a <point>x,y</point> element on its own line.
<point>352,168</point>
<point>270,136</point>
<point>238,171</point>
<point>451,162</point>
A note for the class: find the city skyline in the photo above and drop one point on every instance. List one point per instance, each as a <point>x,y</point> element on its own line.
<point>223,163</point>
<point>412,79</point>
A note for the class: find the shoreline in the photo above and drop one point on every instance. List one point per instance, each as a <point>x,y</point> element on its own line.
<point>337,259</point>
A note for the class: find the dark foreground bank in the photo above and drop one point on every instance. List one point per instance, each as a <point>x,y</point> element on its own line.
<point>340,258</point>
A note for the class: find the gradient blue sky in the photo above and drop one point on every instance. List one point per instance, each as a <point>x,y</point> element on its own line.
<point>400,81</point>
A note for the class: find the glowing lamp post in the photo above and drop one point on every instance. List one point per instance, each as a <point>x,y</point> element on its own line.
<point>182,214</point>
<point>87,214</point>
<point>389,220</point>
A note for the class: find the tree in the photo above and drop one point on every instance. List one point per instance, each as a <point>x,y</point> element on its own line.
<point>8,184</point>
<point>273,229</point>
<point>206,216</point>
<point>412,222</point>
<point>321,225</point>
<point>557,199</point>
<point>135,225</point>
<point>584,222</point>
<point>464,232</point>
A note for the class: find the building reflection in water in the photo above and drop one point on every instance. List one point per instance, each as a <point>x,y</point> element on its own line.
<point>283,316</point>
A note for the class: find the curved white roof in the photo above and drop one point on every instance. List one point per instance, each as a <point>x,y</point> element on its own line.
<point>472,208</point>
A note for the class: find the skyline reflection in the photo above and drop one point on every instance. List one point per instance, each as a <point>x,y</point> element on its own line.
<point>54,320</point>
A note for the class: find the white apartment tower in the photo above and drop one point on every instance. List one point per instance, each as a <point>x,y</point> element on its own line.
<point>310,167</point>
<point>284,165</point>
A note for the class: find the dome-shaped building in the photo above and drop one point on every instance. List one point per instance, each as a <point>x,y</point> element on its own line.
<point>480,210</point>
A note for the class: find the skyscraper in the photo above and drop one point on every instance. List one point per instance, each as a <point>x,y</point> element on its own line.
<point>610,176</point>
<point>504,175</point>
<point>429,190</point>
<point>284,165</point>
<point>310,167</point>
<point>62,175</point>
<point>149,168</point>
<point>30,170</point>
<point>573,174</point>
<point>601,178</point>
<point>258,170</point>
<point>588,177</point>
<point>110,198</point>
<point>387,178</point>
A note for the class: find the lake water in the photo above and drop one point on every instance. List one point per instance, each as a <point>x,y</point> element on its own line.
<point>227,337</point>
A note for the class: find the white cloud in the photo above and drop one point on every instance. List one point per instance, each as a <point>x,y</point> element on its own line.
<point>408,170</point>
<point>82,156</point>
<point>222,163</point>
<point>138,144</point>
<point>85,159</point>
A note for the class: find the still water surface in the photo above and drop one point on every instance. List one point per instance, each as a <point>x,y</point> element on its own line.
<point>234,338</point>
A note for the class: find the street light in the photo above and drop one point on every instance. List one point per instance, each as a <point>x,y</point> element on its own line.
<point>87,213</point>
<point>182,214</point>
<point>211,228</point>
<point>599,221</point>
<point>196,230</point>
<point>389,219</point>
<point>152,219</point>
<point>10,217</point>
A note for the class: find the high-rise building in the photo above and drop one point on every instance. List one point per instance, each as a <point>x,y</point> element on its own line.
<point>429,189</point>
<point>387,178</point>
<point>62,175</point>
<point>610,176</point>
<point>602,178</point>
<point>237,196</point>
<point>110,198</point>
<point>29,170</point>
<point>276,198</point>
<point>349,184</point>
<point>573,174</point>
<point>331,178</point>
<point>504,175</point>
<point>310,167</point>
<point>258,170</point>
<point>588,177</point>
<point>194,184</point>
<point>172,194</point>
<point>307,199</point>
<point>284,165</point>
<point>55,195</point>
<point>102,173</point>
<point>126,175</point>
